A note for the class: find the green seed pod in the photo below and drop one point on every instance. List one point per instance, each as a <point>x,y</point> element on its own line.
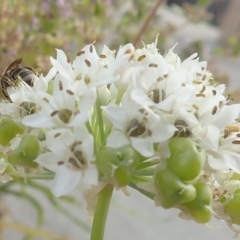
<point>235,176</point>
<point>27,151</point>
<point>117,163</point>
<point>200,207</point>
<point>186,159</point>
<point>8,130</point>
<point>122,176</point>
<point>172,190</point>
<point>105,160</point>
<point>233,208</point>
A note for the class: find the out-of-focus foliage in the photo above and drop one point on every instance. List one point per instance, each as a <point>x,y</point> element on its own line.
<point>33,29</point>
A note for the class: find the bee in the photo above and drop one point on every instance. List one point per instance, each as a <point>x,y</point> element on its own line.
<point>15,74</point>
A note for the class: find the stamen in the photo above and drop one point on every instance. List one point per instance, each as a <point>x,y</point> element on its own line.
<point>141,58</point>
<point>91,48</point>
<point>60,85</point>
<point>70,92</point>
<point>88,63</point>
<point>203,89</point>
<point>80,53</point>
<point>232,128</point>
<point>153,65</point>
<point>214,110</point>
<point>129,51</point>
<point>54,113</point>
<point>200,95</point>
<point>57,135</point>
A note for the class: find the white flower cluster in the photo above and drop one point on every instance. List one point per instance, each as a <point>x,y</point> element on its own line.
<point>135,97</point>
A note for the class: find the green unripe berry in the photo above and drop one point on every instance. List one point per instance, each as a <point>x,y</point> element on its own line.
<point>122,176</point>
<point>186,159</point>
<point>117,163</point>
<point>235,176</point>
<point>199,208</point>
<point>27,151</point>
<point>233,208</point>
<point>105,160</point>
<point>172,190</point>
<point>8,130</point>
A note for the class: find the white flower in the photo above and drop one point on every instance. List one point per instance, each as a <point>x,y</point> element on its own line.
<point>70,156</point>
<point>63,108</point>
<point>89,69</point>
<point>136,125</point>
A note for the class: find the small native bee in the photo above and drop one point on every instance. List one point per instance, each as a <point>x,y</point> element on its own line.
<point>15,74</point>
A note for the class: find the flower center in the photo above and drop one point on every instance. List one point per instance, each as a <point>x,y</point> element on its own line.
<point>27,108</point>
<point>77,159</point>
<point>157,95</point>
<point>65,115</point>
<point>182,129</point>
<point>136,128</point>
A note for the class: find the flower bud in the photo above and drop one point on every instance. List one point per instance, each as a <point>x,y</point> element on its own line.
<point>117,163</point>
<point>235,176</point>
<point>200,207</point>
<point>26,153</point>
<point>122,176</point>
<point>172,190</point>
<point>233,208</point>
<point>8,130</point>
<point>103,96</point>
<point>186,159</point>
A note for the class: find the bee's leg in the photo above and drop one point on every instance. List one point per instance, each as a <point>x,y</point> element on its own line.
<point>18,81</point>
<point>10,82</point>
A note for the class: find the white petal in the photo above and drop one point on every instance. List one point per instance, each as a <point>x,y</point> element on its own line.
<point>105,81</point>
<point>90,176</point>
<point>232,160</point>
<point>141,98</point>
<point>40,85</point>
<point>162,133</point>
<point>48,160</point>
<point>211,137</point>
<point>65,181</point>
<point>60,68</point>
<point>117,116</point>
<point>143,146</point>
<point>37,120</point>
<point>216,163</point>
<point>227,115</point>
<point>81,133</point>
<point>59,145</point>
<point>79,119</point>
<point>117,139</point>
<point>51,74</point>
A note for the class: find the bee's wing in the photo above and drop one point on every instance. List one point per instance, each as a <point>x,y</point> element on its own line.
<point>14,65</point>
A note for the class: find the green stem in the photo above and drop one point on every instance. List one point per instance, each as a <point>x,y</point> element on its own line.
<point>100,121</point>
<point>42,176</point>
<point>144,192</point>
<point>101,212</point>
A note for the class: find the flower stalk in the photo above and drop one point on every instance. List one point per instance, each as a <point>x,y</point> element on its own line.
<point>101,212</point>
